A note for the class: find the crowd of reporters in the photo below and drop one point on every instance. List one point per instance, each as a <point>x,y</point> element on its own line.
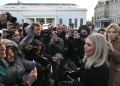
<point>61,54</point>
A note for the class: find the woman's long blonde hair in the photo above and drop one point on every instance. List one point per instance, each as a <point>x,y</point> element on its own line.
<point>114,25</point>
<point>101,51</point>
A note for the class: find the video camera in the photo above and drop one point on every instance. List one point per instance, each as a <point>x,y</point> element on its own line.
<point>71,25</point>
<point>56,41</point>
<point>46,33</point>
<point>42,60</point>
<point>83,35</point>
<point>11,18</point>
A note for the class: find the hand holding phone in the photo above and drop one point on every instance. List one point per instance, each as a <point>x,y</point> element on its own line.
<point>26,41</point>
<point>33,65</point>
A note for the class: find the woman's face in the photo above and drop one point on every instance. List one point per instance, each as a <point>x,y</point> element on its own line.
<point>112,33</point>
<point>10,57</point>
<point>16,37</point>
<point>39,49</point>
<point>89,47</point>
<point>75,32</point>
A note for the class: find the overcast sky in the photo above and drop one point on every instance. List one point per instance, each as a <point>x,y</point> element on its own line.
<point>89,4</point>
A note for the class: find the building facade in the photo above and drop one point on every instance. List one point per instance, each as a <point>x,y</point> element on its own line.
<point>44,13</point>
<point>109,9</point>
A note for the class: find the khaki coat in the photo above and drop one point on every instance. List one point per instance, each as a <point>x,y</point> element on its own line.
<point>114,69</point>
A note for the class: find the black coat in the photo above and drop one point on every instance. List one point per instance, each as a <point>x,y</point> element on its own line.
<point>96,76</point>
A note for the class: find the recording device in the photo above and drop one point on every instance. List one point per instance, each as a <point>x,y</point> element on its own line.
<point>56,41</point>
<point>26,41</point>
<point>83,35</point>
<point>71,25</point>
<point>46,34</point>
<point>42,60</point>
<point>13,78</point>
<point>30,46</point>
<point>10,32</point>
<point>11,18</point>
<point>20,30</point>
<point>33,65</point>
<point>63,62</point>
<point>1,34</point>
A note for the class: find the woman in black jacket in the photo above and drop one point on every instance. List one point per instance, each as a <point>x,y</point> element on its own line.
<point>94,70</point>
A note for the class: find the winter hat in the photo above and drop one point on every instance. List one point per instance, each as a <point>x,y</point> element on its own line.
<point>85,27</point>
<point>25,24</point>
<point>59,56</point>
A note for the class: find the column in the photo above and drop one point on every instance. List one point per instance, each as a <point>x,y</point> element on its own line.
<point>55,22</point>
<point>34,19</point>
<point>100,24</point>
<point>24,20</point>
<point>45,20</point>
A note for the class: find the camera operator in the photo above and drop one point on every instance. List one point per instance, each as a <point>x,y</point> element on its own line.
<point>50,27</point>
<point>78,44</point>
<point>7,16</point>
<point>55,45</point>
<point>61,34</point>
<point>60,66</point>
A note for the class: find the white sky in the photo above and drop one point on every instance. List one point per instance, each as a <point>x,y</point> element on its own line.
<point>89,4</point>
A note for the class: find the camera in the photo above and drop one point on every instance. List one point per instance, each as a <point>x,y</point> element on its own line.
<point>11,18</point>
<point>56,41</point>
<point>46,34</point>
<point>63,62</point>
<point>42,60</point>
<point>71,25</point>
<point>83,35</point>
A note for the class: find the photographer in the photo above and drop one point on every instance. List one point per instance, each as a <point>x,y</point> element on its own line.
<point>10,20</point>
<point>3,17</point>
<point>78,44</point>
<point>60,66</point>
<point>55,45</point>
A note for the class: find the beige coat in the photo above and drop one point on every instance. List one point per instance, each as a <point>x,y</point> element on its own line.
<point>114,69</point>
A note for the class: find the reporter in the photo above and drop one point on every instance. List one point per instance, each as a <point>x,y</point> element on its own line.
<point>94,71</point>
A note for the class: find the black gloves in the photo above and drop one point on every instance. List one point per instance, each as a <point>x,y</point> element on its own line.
<point>70,73</point>
<point>71,83</point>
<point>13,78</point>
<point>66,83</point>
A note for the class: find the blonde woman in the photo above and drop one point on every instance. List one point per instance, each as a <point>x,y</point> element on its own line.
<point>112,35</point>
<point>94,71</point>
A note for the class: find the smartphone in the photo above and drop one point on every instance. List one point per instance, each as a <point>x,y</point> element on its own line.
<point>28,39</point>
<point>33,65</point>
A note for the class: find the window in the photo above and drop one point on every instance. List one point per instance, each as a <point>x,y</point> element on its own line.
<point>12,7</point>
<point>60,21</point>
<point>75,23</point>
<point>81,22</point>
<point>70,21</point>
<point>50,20</point>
